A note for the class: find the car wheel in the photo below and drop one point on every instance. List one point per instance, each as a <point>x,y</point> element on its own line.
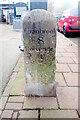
<point>65,32</point>
<point>58,28</point>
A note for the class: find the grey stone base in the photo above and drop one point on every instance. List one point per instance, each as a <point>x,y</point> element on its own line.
<point>38,89</point>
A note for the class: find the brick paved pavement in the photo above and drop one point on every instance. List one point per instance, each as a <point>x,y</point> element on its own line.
<point>65,105</point>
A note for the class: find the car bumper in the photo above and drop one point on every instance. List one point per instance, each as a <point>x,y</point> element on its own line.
<point>73,29</point>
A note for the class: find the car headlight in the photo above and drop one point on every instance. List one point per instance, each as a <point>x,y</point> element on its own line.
<point>65,23</point>
<point>70,20</point>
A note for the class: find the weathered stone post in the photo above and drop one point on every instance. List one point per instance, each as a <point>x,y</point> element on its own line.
<point>39,33</point>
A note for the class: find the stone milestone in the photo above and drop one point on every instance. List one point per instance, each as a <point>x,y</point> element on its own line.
<point>39,34</point>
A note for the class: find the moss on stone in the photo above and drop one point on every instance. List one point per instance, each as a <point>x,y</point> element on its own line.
<point>45,72</point>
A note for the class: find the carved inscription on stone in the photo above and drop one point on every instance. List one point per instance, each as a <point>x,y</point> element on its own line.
<point>39,33</point>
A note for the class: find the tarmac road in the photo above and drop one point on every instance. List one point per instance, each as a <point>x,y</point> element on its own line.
<point>75,38</point>
<point>9,52</point>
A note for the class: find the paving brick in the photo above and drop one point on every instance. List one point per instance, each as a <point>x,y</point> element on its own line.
<point>9,85</point>
<point>16,99</point>
<point>10,82</point>
<point>79,112</point>
<point>3,101</point>
<point>71,79</point>
<point>58,54</point>
<point>72,50</point>
<point>64,60</point>
<point>61,50</point>
<point>18,87</point>
<point>61,46</point>
<point>0,112</point>
<point>7,114</point>
<point>13,76</point>
<point>59,114</point>
<point>13,106</point>
<point>59,79</point>
<point>74,67</point>
<point>76,60</point>
<point>78,80</point>
<point>79,98</point>
<point>15,114</point>
<point>21,73</point>
<point>18,64</point>
<point>68,55</point>
<point>7,91</point>
<point>68,97</point>
<point>40,102</point>
<point>62,68</point>
<point>21,60</point>
<point>16,69</point>
<point>21,69</point>
<point>77,54</point>
<point>28,114</point>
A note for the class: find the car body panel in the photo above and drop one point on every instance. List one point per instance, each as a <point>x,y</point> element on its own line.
<point>70,22</point>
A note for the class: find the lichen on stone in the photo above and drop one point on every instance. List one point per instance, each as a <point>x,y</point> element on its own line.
<point>39,33</point>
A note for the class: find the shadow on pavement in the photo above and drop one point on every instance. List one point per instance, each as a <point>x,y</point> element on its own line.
<point>74,35</point>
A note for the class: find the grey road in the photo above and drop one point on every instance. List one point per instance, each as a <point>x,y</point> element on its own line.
<point>74,40</point>
<point>9,52</point>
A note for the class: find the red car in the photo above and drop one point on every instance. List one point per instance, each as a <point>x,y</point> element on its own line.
<point>69,22</point>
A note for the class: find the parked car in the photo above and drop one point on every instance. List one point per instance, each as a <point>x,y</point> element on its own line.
<point>69,22</point>
<point>58,16</point>
<point>3,18</point>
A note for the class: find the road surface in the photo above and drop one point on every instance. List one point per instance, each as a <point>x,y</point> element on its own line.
<point>9,52</point>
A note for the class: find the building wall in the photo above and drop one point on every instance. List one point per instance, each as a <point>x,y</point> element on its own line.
<point>38,4</point>
<point>42,4</point>
<point>50,6</point>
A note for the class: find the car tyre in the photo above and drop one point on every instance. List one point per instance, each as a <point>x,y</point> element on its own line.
<point>65,32</point>
<point>58,28</point>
